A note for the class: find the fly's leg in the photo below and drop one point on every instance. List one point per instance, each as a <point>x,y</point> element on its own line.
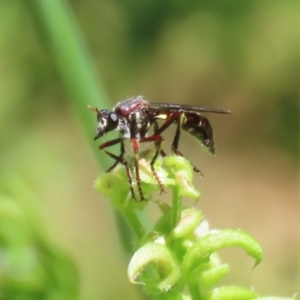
<point>119,159</point>
<point>158,140</point>
<point>175,142</point>
<point>177,117</point>
<point>156,128</point>
<point>135,147</point>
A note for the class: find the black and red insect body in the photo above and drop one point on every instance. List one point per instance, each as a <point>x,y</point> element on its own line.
<point>133,118</point>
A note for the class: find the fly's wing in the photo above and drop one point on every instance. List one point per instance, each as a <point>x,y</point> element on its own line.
<point>165,107</point>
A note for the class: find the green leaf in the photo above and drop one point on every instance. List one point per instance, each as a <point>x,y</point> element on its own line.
<point>189,220</point>
<point>183,173</point>
<point>275,298</point>
<point>154,266</point>
<point>115,186</point>
<point>230,293</point>
<point>202,249</point>
<point>208,274</point>
<point>211,276</point>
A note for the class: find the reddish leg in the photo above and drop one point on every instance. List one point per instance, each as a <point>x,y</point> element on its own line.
<point>170,119</point>
<point>135,147</point>
<point>119,159</point>
<point>158,140</point>
<point>179,117</point>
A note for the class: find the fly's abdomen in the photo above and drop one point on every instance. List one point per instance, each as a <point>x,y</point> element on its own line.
<point>199,127</point>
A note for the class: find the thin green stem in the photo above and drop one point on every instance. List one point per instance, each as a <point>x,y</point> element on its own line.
<point>195,291</point>
<point>134,222</point>
<point>176,206</point>
<point>168,296</point>
<point>56,23</point>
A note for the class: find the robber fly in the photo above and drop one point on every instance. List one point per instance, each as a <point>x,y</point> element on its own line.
<point>133,118</point>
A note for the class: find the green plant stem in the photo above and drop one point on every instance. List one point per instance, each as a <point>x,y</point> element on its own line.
<point>55,21</point>
<point>134,222</point>
<point>195,291</point>
<point>176,206</point>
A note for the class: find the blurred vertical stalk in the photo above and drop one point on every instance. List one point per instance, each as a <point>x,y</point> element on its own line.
<point>56,22</point>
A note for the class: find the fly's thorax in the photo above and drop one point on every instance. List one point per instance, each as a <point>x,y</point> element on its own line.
<point>128,106</point>
<point>124,128</point>
<point>139,123</point>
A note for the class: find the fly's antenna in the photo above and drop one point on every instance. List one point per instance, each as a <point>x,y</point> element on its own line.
<point>94,109</point>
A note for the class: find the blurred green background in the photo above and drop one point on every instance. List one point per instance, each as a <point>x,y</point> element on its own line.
<point>242,55</point>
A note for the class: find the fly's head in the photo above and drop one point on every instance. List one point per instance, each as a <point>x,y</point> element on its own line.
<point>107,121</point>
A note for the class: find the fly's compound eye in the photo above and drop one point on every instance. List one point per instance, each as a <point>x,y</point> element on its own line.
<point>107,121</point>
<point>113,121</point>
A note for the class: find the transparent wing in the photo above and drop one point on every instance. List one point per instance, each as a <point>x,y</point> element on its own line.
<point>163,107</point>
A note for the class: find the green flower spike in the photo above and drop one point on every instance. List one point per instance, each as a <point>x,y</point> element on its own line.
<point>183,173</point>
<point>154,266</point>
<point>202,249</point>
<point>180,251</point>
